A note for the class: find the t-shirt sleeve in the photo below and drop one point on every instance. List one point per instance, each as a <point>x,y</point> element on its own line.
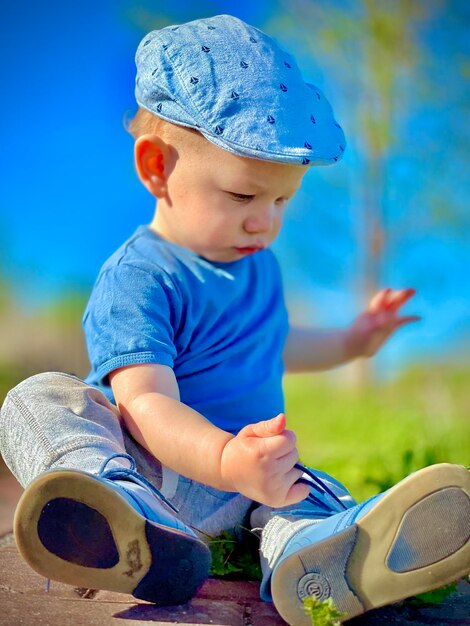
<point>130,319</point>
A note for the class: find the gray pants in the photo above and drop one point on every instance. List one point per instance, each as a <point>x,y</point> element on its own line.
<point>55,420</point>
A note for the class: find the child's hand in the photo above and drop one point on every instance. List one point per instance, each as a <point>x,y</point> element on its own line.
<point>380,320</point>
<point>259,463</point>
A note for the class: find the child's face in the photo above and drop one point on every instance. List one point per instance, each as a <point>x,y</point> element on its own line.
<point>222,206</point>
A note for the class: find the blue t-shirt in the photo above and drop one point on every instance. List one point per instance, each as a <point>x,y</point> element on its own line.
<point>220,326</point>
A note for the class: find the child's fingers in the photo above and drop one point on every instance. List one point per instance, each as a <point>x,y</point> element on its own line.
<point>297,491</point>
<point>390,299</point>
<point>278,446</point>
<point>396,299</point>
<point>267,428</point>
<point>408,319</point>
<point>379,301</point>
<point>285,463</point>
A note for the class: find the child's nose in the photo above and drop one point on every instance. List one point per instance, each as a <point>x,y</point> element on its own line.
<point>260,221</point>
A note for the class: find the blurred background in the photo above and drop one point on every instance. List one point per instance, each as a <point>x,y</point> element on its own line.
<point>393,213</point>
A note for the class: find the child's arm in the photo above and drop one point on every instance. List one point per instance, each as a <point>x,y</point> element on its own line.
<point>258,462</point>
<point>309,349</point>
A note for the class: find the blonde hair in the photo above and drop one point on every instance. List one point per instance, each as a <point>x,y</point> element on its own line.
<point>145,123</point>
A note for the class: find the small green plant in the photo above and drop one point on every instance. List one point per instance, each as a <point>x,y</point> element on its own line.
<point>235,558</point>
<point>323,612</point>
<point>437,596</point>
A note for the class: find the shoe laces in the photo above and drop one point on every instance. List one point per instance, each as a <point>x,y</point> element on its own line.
<point>318,485</point>
<point>130,474</point>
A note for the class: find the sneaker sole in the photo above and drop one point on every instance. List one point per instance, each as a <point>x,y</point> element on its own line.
<point>414,540</point>
<point>112,547</point>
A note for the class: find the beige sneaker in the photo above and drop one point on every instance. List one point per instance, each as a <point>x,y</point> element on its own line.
<point>411,539</point>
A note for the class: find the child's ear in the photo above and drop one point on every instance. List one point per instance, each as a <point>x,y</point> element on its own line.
<point>151,160</point>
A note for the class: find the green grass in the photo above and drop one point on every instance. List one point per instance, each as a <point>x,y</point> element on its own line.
<point>370,439</point>
<point>9,377</point>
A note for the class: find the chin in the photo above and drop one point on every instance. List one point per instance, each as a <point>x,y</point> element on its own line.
<point>224,258</point>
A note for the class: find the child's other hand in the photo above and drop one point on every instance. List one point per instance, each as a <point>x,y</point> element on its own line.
<point>378,322</point>
<point>259,463</point>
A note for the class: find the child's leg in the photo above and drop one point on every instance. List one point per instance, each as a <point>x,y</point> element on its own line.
<point>55,420</point>
<point>87,517</point>
<point>411,539</point>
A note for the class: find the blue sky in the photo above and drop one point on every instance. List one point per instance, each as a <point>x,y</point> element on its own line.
<point>69,195</point>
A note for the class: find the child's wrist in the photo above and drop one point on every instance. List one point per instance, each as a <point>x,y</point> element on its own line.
<point>231,464</point>
<point>223,479</point>
<point>352,348</point>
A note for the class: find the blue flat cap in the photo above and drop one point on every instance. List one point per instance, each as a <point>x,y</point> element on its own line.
<point>239,89</point>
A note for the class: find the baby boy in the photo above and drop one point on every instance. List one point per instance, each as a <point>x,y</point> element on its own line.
<point>178,432</point>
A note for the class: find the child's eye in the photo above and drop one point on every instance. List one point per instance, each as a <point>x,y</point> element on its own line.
<point>241,197</point>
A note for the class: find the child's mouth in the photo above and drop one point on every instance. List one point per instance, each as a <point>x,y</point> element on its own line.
<point>249,250</point>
